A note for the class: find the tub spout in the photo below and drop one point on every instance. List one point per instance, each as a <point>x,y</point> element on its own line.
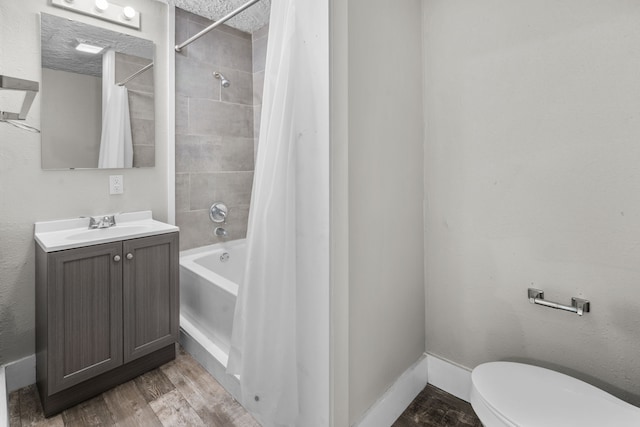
<point>220,232</point>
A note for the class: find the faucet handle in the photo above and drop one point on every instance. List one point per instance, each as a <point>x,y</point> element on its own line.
<point>218,212</point>
<point>103,221</point>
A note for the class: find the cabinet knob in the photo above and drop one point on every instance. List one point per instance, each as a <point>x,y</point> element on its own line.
<point>129,255</point>
<point>116,258</point>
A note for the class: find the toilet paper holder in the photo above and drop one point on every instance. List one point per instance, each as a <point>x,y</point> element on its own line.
<point>578,305</point>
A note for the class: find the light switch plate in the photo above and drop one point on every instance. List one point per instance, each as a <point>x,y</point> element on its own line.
<point>116,184</point>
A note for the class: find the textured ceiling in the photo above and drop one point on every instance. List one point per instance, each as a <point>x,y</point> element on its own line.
<point>250,20</point>
<point>60,36</point>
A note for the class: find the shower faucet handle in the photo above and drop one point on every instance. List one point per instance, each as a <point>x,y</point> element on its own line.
<point>218,212</point>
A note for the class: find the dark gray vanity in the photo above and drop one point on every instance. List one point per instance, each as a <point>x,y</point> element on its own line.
<point>106,306</point>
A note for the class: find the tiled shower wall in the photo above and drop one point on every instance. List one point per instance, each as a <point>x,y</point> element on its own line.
<point>214,128</point>
<point>141,107</point>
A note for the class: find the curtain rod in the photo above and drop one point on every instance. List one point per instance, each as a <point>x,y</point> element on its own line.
<point>136,74</point>
<point>215,24</point>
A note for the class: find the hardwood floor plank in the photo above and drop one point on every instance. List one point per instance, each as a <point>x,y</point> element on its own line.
<point>153,384</point>
<point>179,393</point>
<point>14,409</point>
<point>191,392</point>
<point>244,420</point>
<point>173,410</point>
<point>129,408</point>
<point>93,412</point>
<point>31,410</point>
<point>206,396</point>
<point>436,408</point>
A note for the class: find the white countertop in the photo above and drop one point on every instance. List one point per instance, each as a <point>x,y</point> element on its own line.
<point>75,233</point>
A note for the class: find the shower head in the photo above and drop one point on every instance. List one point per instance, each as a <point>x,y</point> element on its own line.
<point>223,80</point>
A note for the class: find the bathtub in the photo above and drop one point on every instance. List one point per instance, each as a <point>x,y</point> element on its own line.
<point>209,280</point>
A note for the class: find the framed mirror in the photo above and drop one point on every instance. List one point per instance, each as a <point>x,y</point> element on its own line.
<point>97,97</point>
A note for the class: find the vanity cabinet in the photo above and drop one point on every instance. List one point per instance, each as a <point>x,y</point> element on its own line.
<point>104,314</point>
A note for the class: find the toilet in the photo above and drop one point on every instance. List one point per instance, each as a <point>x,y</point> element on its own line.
<point>520,395</point>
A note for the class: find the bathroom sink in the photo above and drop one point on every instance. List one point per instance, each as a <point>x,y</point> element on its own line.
<point>115,231</point>
<point>75,233</point>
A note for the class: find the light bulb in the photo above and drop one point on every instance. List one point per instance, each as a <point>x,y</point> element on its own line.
<point>129,13</point>
<point>102,5</point>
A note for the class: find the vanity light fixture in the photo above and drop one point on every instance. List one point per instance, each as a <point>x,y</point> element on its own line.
<point>103,9</point>
<point>89,48</point>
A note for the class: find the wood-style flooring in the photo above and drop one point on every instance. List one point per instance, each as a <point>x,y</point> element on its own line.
<point>183,393</point>
<point>436,408</point>
<point>180,393</point>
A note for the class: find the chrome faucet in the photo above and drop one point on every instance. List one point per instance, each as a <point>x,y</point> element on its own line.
<point>105,221</point>
<point>220,232</point>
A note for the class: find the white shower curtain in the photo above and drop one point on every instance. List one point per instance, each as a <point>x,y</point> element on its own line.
<point>266,327</point>
<point>116,143</point>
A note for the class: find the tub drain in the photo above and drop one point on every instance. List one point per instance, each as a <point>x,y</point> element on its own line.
<point>224,257</point>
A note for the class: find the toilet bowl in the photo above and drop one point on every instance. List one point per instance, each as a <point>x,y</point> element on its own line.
<point>520,395</point>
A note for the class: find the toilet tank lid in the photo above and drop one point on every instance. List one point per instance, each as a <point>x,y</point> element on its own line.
<point>528,395</point>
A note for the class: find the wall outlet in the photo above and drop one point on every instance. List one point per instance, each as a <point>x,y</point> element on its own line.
<point>116,184</point>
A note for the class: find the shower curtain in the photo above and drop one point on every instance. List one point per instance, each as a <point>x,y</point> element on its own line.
<point>116,144</point>
<point>269,333</point>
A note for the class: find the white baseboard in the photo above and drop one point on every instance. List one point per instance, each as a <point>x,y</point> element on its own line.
<point>14,376</point>
<point>4,400</point>
<point>397,398</point>
<point>20,373</point>
<point>449,376</point>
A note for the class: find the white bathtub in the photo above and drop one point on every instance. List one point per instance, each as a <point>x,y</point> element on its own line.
<point>209,279</point>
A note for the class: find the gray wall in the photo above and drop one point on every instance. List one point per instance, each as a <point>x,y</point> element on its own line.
<point>29,194</point>
<point>72,134</point>
<point>386,279</point>
<point>214,130</point>
<point>532,179</point>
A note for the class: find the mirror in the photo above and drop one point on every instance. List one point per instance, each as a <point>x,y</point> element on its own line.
<point>88,120</point>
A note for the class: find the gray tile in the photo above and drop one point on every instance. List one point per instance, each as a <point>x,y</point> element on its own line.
<point>257,115</point>
<point>260,33</point>
<point>182,14</point>
<point>259,54</point>
<point>141,105</point>
<point>182,32</point>
<point>142,82</point>
<point>255,150</point>
<point>236,225</point>
<point>196,153</point>
<point>240,91</point>
<point>205,22</point>
<point>143,131</point>
<point>231,188</point>
<point>258,87</point>
<point>182,192</point>
<point>221,48</point>
<point>182,114</point>
<point>138,60</point>
<point>144,156</point>
<point>208,117</point>
<point>195,79</point>
<point>196,229</point>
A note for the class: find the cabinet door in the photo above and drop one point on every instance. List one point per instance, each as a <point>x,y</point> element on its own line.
<point>150,295</point>
<point>84,314</point>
